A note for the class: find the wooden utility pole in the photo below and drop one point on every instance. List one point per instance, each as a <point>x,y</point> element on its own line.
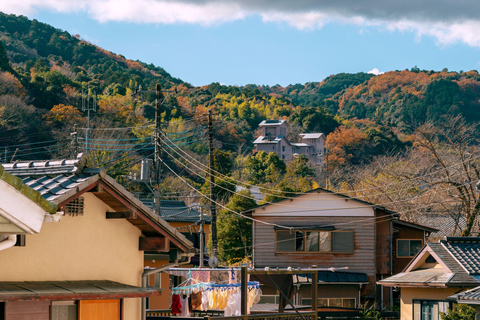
<point>158,148</point>
<point>213,208</point>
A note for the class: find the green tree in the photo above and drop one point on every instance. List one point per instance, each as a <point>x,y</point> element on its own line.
<point>460,312</point>
<point>234,231</point>
<point>4,61</point>
<point>264,167</point>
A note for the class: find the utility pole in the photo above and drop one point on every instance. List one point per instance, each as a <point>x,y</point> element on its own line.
<point>74,136</point>
<point>159,100</point>
<point>87,107</point>
<point>158,149</point>
<point>213,208</point>
<point>202,237</point>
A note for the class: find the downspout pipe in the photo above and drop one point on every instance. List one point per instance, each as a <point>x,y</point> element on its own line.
<point>9,242</point>
<point>148,273</point>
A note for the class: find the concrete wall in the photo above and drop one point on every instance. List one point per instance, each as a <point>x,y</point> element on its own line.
<point>87,247</point>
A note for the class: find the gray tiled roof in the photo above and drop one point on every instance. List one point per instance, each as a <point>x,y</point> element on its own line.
<point>464,297</point>
<point>467,252</point>
<point>54,180</point>
<point>177,211</point>
<point>59,180</point>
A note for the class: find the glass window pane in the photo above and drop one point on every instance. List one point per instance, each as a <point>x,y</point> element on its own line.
<point>415,247</point>
<point>337,302</point>
<point>300,240</point>
<point>349,303</point>
<point>343,241</point>
<point>285,241</point>
<point>323,302</point>
<point>325,241</point>
<point>403,248</point>
<point>312,241</point>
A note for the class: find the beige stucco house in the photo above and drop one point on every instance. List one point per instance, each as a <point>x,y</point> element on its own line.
<point>438,271</point>
<point>89,264</point>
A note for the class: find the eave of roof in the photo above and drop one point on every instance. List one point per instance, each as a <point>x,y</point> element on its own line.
<point>414,225</point>
<point>71,290</point>
<point>30,193</point>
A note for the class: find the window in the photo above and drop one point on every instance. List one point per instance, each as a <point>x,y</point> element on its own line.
<point>408,248</point>
<point>314,241</point>
<point>429,309</point>
<point>332,302</point>
<point>283,148</point>
<point>75,207</point>
<point>64,310</point>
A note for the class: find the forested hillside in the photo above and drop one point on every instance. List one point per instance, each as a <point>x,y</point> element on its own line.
<point>401,126</point>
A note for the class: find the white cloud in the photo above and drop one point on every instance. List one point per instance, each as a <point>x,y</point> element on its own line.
<point>446,20</point>
<point>375,71</point>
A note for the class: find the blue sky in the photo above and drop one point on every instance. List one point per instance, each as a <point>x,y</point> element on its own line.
<point>269,42</point>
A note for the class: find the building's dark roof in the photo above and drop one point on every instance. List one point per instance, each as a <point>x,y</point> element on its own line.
<point>467,296</point>
<point>466,250</point>
<point>177,211</point>
<point>70,290</point>
<point>333,277</point>
<point>27,191</point>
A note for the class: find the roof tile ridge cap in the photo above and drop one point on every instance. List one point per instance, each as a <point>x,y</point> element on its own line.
<point>80,163</point>
<point>442,243</point>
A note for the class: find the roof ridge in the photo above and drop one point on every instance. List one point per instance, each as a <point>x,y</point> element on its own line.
<point>46,167</point>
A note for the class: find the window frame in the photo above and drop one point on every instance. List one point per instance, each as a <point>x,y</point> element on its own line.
<point>305,250</point>
<point>328,301</point>
<point>409,240</point>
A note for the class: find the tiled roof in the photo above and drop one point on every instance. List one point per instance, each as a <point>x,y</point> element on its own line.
<point>460,257</point>
<point>59,180</point>
<point>28,191</point>
<point>466,251</point>
<point>466,296</point>
<point>177,211</point>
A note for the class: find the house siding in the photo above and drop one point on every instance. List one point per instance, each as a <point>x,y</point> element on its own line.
<point>361,260</point>
<point>88,247</point>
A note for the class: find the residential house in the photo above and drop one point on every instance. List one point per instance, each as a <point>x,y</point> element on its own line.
<point>274,139</point>
<point>90,264</point>
<point>439,271</point>
<point>330,230</point>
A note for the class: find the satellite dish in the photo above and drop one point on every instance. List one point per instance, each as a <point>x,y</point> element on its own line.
<point>213,262</point>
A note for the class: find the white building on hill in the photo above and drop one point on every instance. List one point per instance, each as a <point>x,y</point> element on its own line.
<point>274,138</point>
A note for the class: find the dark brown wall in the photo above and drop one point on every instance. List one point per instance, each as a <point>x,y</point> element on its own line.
<point>27,310</point>
<point>403,232</point>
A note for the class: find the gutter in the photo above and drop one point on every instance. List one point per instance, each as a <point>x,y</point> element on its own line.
<point>9,242</point>
<point>148,273</point>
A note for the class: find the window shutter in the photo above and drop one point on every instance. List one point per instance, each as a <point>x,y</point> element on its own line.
<point>343,241</point>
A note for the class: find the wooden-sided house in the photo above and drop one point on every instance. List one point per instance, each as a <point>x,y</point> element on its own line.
<point>436,276</point>
<point>330,230</point>
<point>89,264</point>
